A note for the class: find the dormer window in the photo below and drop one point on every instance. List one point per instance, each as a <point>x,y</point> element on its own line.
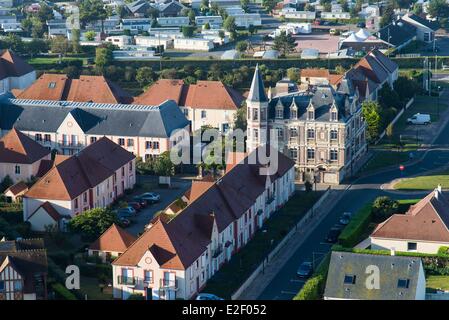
<point>293,111</point>
<point>310,112</point>
<point>333,114</point>
<point>279,111</point>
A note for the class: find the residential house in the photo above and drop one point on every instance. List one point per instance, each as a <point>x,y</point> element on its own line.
<point>23,269</point>
<point>425,29</point>
<point>214,22</point>
<point>135,25</point>
<point>60,87</point>
<point>120,41</point>
<point>193,44</point>
<point>321,128</point>
<point>139,8</point>
<point>335,14</point>
<point>173,21</point>
<point>209,103</point>
<point>302,15</point>
<point>111,244</point>
<point>169,8</point>
<point>93,178</point>
<point>146,131</point>
<point>133,52</point>
<point>15,192</point>
<point>423,228</point>
<point>313,76</point>
<point>9,23</point>
<point>354,276</point>
<point>152,41</point>
<point>397,34</point>
<point>57,27</point>
<point>20,156</point>
<point>176,255</point>
<point>15,73</point>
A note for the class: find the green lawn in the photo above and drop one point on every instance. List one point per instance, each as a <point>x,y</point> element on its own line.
<point>229,278</point>
<point>382,159</point>
<point>429,182</point>
<point>437,283</point>
<point>90,286</point>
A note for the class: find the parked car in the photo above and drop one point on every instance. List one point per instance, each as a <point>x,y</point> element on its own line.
<point>136,205</point>
<point>345,218</point>
<point>126,212</point>
<point>150,197</point>
<point>361,24</point>
<point>305,270</point>
<point>207,296</point>
<point>143,203</point>
<point>332,236</point>
<point>123,222</point>
<point>419,118</point>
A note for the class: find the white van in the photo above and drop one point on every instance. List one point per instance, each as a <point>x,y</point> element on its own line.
<point>419,119</point>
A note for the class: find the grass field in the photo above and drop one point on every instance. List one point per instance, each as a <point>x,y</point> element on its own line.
<point>429,182</point>
<point>437,283</point>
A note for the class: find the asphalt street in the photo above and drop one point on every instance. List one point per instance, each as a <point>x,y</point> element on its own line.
<point>285,284</point>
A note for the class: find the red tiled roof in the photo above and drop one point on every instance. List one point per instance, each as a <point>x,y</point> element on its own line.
<point>15,147</point>
<point>315,73</point>
<point>11,65</point>
<point>428,220</point>
<point>203,94</point>
<point>50,210</point>
<point>178,243</point>
<point>113,239</point>
<point>17,188</point>
<point>85,89</point>
<point>68,179</point>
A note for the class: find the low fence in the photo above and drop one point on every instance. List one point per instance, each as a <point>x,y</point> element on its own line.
<point>407,105</point>
<point>305,220</point>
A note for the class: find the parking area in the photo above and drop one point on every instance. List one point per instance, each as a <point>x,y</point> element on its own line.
<point>322,41</point>
<point>168,195</point>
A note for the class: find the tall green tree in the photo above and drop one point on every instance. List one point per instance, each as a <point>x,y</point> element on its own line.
<point>284,43</point>
<point>371,114</point>
<point>103,56</point>
<point>144,76</point>
<point>92,10</point>
<point>438,9</point>
<point>92,223</point>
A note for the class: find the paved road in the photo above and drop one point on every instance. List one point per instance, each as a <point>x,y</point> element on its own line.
<point>285,285</point>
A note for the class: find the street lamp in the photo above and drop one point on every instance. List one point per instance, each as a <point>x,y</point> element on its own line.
<point>438,101</point>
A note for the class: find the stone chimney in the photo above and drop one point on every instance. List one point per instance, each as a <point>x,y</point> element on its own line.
<point>437,191</point>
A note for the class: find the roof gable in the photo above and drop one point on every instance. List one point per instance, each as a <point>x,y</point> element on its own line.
<point>15,147</point>
<point>114,239</point>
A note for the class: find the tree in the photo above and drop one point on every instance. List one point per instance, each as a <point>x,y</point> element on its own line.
<point>6,183</point>
<point>36,46</point>
<point>252,29</point>
<point>240,121</point>
<point>144,76</point>
<point>92,10</point>
<point>188,31</point>
<point>171,73</point>
<point>284,43</point>
<point>121,11</point>
<point>163,166</point>
<point>75,42</point>
<point>206,26</point>
<point>293,74</point>
<point>387,15</point>
<point>221,34</point>
<point>90,35</point>
<point>45,13</point>
<point>340,69</point>
<point>417,9</point>
<point>92,223</point>
<point>438,8</point>
<point>244,4</point>
<point>59,44</point>
<point>14,42</point>
<point>72,71</point>
<point>384,207</point>
<point>229,24</point>
<point>241,46</point>
<point>103,56</point>
<point>152,13</point>
<point>269,5</point>
<point>371,114</point>
<point>389,98</point>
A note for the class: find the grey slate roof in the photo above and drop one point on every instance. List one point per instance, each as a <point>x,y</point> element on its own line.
<point>257,90</point>
<point>427,23</point>
<point>392,268</point>
<point>93,118</point>
<point>399,31</point>
<point>322,98</point>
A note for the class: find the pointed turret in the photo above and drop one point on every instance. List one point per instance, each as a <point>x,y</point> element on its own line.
<point>257,91</point>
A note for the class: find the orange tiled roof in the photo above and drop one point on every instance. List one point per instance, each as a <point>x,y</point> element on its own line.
<point>15,147</point>
<point>113,239</point>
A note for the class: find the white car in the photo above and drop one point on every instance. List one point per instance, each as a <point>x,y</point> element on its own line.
<point>207,296</point>
<point>419,118</point>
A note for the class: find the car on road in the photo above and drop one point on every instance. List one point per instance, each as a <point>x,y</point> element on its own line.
<point>361,25</point>
<point>305,270</point>
<point>345,218</point>
<point>332,236</point>
<point>208,296</point>
<point>419,118</point>
<point>126,212</point>
<point>150,197</point>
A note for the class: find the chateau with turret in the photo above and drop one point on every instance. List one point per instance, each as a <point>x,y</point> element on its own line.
<point>321,128</point>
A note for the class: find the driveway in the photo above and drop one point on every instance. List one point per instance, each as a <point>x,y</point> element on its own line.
<point>168,195</point>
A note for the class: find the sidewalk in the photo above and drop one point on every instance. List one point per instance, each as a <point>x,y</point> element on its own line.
<point>275,265</point>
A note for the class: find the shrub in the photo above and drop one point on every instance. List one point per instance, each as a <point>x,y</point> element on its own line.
<point>62,292</point>
<point>384,207</point>
<point>358,224</point>
<point>311,289</point>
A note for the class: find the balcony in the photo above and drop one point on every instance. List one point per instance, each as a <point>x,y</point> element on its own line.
<point>168,284</point>
<point>217,252</point>
<point>270,200</point>
<point>128,281</point>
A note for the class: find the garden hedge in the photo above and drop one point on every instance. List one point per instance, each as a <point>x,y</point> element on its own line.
<point>313,289</point>
<point>62,292</point>
<point>350,236</point>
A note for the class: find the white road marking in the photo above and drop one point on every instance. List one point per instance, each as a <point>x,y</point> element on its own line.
<point>289,293</point>
<point>297,280</point>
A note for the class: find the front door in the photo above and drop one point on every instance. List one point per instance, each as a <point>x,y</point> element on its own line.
<point>198,284</point>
